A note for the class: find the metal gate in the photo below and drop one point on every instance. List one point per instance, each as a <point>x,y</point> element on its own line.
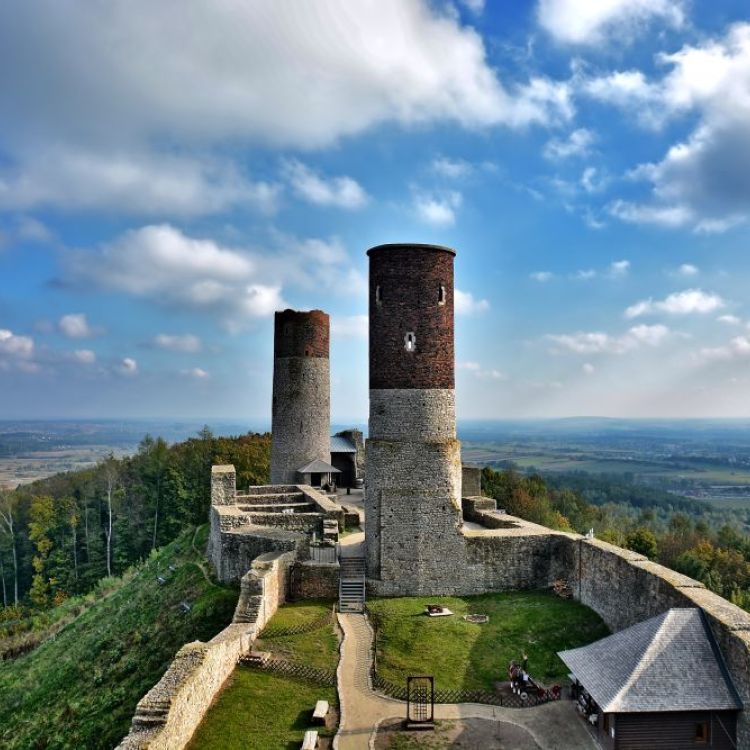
<point>420,702</point>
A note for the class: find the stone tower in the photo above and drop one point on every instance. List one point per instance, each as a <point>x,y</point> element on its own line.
<point>413,462</point>
<point>301,413</point>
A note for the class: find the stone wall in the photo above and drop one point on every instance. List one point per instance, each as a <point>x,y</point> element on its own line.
<point>223,485</point>
<point>412,414</point>
<point>168,715</point>
<point>311,580</point>
<point>471,481</point>
<point>301,415</point>
<point>413,516</point>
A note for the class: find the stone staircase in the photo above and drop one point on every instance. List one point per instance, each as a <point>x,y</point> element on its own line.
<point>352,584</point>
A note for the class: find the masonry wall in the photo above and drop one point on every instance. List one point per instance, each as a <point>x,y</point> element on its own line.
<point>168,715</point>
<point>301,408</point>
<point>311,580</point>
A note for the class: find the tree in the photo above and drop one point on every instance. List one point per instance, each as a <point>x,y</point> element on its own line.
<point>42,515</point>
<point>7,524</point>
<point>642,541</point>
<point>110,476</point>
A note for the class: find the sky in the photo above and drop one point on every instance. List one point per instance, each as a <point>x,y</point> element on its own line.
<point>172,173</point>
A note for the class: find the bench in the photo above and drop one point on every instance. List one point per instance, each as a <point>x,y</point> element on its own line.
<point>310,742</point>
<point>320,712</point>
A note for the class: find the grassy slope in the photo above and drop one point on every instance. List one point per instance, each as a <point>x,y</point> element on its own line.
<point>80,689</point>
<point>463,655</point>
<point>266,711</point>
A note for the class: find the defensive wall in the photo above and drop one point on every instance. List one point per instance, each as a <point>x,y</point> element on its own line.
<point>168,715</point>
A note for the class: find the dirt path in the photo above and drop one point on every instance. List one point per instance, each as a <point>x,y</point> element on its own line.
<point>553,726</point>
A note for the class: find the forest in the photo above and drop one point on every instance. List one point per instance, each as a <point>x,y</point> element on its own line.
<point>718,555</point>
<point>59,536</point>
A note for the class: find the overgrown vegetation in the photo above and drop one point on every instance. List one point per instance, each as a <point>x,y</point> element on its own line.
<point>61,535</point>
<point>468,656</point>
<point>80,688</point>
<point>718,557</point>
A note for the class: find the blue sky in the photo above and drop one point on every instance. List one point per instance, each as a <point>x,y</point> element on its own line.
<point>172,173</point>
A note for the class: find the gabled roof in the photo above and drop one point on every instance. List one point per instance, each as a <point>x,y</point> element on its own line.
<point>318,467</point>
<point>668,663</point>
<point>341,444</point>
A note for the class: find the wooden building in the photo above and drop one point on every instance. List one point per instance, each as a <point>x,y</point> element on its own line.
<point>659,685</point>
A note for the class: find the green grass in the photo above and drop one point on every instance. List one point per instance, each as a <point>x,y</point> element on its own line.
<point>318,648</point>
<point>261,711</point>
<point>79,690</point>
<point>266,711</point>
<point>462,655</point>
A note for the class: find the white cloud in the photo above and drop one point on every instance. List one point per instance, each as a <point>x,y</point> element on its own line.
<point>619,268</point>
<point>256,71</point>
<point>235,284</point>
<point>737,348</point>
<point>588,368</point>
<point>465,304</point>
<point>76,326</point>
<point>84,356</point>
<point>128,366</point>
<point>30,229</point>
<point>678,303</point>
<point>136,183</point>
<point>187,342</point>
<point>350,326</point>
<point>665,216</point>
<point>475,6</point>
<point>687,269</point>
<point>343,192</point>
<point>592,180</point>
<point>585,274</point>
<point>730,320</point>
<point>439,210</point>
<point>14,349</point>
<point>578,143</point>
<point>587,22</point>
<point>541,276</point>
<point>598,342</point>
<point>451,168</point>
<point>480,372</point>
<point>703,181</point>
<point>198,373</point>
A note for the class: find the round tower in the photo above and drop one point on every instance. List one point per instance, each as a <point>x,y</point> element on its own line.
<point>413,462</point>
<point>301,413</point>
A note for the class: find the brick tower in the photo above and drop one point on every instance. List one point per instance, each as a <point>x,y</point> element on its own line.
<point>301,413</point>
<point>413,460</point>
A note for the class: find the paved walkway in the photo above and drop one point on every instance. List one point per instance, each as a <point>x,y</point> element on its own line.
<point>554,726</point>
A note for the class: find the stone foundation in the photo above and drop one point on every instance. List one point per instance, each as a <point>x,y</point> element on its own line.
<point>311,580</point>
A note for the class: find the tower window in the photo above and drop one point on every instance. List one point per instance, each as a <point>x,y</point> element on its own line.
<point>378,298</point>
<point>410,342</point>
<point>307,351</point>
<point>441,294</point>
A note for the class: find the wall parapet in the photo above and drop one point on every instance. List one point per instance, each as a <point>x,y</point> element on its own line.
<point>168,715</point>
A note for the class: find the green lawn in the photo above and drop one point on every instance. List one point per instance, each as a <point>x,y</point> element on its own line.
<point>318,648</point>
<point>261,711</point>
<point>265,711</point>
<point>79,690</point>
<point>463,655</point>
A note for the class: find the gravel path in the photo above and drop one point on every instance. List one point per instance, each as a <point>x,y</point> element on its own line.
<point>553,726</point>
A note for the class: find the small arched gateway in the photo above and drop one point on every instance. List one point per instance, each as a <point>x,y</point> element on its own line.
<point>659,684</point>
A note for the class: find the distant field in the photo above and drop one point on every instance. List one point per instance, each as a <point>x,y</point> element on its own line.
<point>31,466</point>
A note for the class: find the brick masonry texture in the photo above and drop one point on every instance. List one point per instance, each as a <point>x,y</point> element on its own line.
<point>301,334</point>
<point>413,414</point>
<point>300,414</point>
<point>409,278</point>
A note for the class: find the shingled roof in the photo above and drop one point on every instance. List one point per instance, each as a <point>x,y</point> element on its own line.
<point>668,663</point>
<point>318,467</point>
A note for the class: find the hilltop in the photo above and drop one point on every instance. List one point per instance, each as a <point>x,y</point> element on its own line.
<point>79,688</point>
